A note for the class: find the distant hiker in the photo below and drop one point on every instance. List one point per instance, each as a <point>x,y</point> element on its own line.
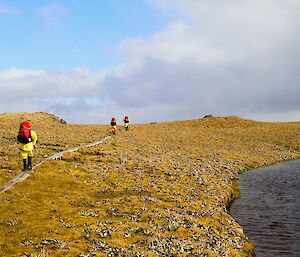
<point>114,125</point>
<point>126,122</point>
<point>27,139</point>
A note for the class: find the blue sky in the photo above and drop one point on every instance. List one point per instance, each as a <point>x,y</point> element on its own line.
<point>69,34</point>
<point>153,60</point>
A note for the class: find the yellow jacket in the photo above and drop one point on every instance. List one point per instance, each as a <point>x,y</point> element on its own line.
<point>29,146</point>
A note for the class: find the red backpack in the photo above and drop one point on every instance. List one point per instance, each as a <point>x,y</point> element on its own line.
<point>113,122</point>
<point>24,133</point>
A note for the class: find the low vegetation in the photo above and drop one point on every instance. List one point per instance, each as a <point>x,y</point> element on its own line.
<point>160,189</point>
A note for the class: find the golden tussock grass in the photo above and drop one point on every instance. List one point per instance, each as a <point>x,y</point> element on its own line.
<point>157,190</point>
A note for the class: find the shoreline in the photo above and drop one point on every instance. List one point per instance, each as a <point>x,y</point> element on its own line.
<point>258,185</point>
<point>237,191</point>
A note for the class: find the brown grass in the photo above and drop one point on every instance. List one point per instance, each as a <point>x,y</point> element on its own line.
<point>158,189</point>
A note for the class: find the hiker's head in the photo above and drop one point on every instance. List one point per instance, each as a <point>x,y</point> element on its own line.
<point>25,124</point>
<point>113,119</point>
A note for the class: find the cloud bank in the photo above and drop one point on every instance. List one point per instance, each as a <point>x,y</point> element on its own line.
<point>230,58</point>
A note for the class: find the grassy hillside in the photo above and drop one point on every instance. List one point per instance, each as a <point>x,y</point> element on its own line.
<point>157,190</point>
<point>53,136</point>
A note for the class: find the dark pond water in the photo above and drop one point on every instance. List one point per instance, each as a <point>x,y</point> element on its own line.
<point>269,209</point>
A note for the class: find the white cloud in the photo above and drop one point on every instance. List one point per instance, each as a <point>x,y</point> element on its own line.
<point>15,73</point>
<point>176,42</point>
<point>53,14</point>
<point>224,58</point>
<point>8,10</point>
<point>234,29</point>
<point>40,84</point>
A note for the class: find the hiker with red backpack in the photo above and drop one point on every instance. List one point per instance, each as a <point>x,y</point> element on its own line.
<point>126,122</point>
<point>113,124</point>
<point>27,139</point>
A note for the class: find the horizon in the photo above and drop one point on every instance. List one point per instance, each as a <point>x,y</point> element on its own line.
<point>141,123</point>
<point>151,60</point>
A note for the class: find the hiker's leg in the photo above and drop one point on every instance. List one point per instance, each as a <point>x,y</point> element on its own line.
<point>29,163</point>
<point>30,155</point>
<point>24,164</point>
<point>24,156</point>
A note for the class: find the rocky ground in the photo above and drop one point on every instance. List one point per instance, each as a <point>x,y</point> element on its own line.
<point>160,189</point>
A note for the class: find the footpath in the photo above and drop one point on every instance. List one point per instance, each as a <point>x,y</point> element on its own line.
<point>25,174</point>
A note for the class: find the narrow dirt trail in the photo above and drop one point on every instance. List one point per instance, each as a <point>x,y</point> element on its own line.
<point>24,175</point>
